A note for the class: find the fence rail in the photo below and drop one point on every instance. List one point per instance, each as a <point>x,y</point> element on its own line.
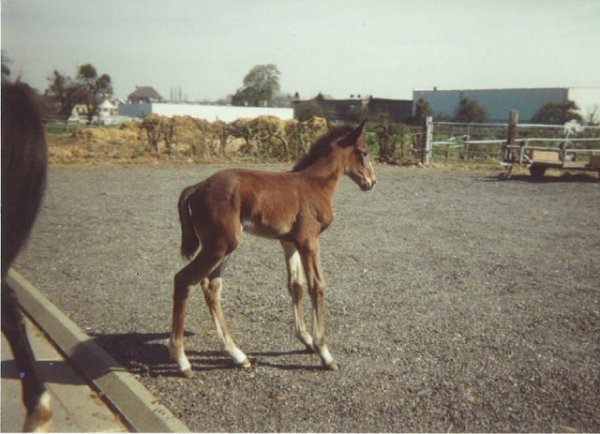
<point>462,141</point>
<point>509,143</point>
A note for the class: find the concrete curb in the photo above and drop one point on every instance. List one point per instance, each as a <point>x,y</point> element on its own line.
<point>135,404</point>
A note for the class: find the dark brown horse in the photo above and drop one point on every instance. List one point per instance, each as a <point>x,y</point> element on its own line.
<point>292,207</point>
<point>23,183</point>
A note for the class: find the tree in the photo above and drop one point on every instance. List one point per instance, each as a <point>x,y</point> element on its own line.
<point>305,110</point>
<point>65,92</point>
<point>5,67</point>
<point>422,110</point>
<point>593,117</point>
<point>470,111</point>
<point>555,113</point>
<point>87,88</point>
<point>281,99</point>
<point>261,85</point>
<point>95,88</point>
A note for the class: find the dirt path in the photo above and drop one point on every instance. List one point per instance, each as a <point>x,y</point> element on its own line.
<point>456,302</point>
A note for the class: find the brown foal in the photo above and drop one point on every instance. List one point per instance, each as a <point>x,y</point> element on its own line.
<point>24,166</point>
<point>292,207</point>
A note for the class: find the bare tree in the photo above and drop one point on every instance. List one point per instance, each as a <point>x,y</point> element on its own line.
<point>65,92</point>
<point>96,87</point>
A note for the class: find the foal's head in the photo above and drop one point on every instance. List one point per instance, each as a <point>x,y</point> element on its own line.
<point>358,164</point>
<point>345,146</point>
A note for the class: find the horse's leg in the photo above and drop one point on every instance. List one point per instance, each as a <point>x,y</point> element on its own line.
<point>35,397</point>
<point>296,283</point>
<point>311,261</point>
<point>212,294</point>
<point>192,274</point>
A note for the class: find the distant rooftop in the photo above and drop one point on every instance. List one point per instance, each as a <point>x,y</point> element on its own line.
<point>144,94</point>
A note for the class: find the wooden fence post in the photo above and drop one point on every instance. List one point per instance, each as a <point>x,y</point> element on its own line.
<point>508,156</point>
<point>466,147</point>
<point>511,135</point>
<point>427,139</point>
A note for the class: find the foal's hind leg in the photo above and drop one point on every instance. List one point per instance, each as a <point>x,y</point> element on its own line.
<point>311,262</point>
<point>296,284</point>
<point>197,270</point>
<point>35,396</point>
<point>212,294</point>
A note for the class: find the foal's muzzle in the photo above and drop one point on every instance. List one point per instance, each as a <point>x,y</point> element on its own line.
<point>367,184</point>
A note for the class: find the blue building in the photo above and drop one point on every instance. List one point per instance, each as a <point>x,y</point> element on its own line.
<point>497,103</point>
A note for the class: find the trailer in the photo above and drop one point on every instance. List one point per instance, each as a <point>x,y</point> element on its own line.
<point>540,154</point>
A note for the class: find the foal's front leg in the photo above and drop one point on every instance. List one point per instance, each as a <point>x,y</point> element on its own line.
<point>316,288</point>
<point>34,394</point>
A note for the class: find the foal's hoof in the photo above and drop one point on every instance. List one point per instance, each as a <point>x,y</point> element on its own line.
<point>309,349</point>
<point>187,373</point>
<point>41,419</point>
<point>333,366</point>
<point>246,364</point>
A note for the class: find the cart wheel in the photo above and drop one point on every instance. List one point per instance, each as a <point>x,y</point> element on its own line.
<point>537,171</point>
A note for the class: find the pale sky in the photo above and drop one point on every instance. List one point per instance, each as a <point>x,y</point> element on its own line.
<point>384,48</point>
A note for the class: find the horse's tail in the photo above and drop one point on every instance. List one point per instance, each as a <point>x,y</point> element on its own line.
<point>189,239</point>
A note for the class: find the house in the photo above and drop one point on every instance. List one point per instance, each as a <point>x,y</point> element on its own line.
<point>144,94</point>
<point>108,112</point>
<point>78,113</point>
<point>497,103</point>
<point>107,108</point>
<point>353,108</point>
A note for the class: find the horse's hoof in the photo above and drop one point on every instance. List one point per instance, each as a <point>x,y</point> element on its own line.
<point>187,373</point>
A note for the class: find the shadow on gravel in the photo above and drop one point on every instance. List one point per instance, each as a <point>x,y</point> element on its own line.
<point>140,353</point>
<point>565,178</point>
<point>147,354</point>
<point>265,359</point>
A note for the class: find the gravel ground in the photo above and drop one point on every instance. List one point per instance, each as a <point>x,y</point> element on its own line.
<point>455,302</point>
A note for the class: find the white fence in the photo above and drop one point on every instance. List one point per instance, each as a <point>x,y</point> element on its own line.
<point>463,141</point>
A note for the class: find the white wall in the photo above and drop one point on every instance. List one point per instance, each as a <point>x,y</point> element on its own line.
<point>209,112</point>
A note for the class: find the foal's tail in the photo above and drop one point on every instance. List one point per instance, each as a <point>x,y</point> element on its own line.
<point>189,239</point>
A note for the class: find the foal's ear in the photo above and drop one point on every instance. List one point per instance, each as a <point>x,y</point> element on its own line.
<point>355,135</point>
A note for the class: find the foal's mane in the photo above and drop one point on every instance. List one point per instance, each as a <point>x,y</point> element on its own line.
<point>321,148</point>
